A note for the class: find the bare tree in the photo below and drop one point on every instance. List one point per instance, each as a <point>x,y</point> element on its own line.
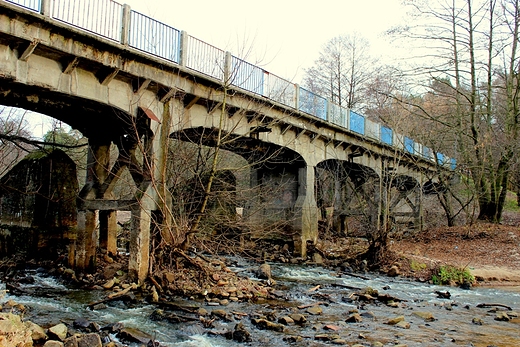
<point>342,71</point>
<point>471,49</point>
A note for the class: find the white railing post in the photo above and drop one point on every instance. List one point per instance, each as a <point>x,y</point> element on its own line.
<point>297,96</point>
<point>183,58</point>
<point>227,68</point>
<point>125,25</point>
<point>46,8</point>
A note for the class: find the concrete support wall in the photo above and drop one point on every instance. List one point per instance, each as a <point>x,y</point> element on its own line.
<point>305,210</point>
<point>139,260</point>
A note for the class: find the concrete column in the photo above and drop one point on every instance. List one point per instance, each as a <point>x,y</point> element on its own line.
<point>418,210</point>
<point>108,231</point>
<point>125,25</point>
<point>184,48</point>
<point>305,211</point>
<point>253,202</point>
<point>45,8</point>
<point>86,241</point>
<point>139,260</point>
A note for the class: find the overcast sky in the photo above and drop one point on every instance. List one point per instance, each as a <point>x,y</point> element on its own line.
<point>284,36</point>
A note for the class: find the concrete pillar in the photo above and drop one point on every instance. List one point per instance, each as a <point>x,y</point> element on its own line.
<point>86,241</point>
<point>418,210</point>
<point>305,211</point>
<point>108,231</point>
<point>139,260</point>
<point>86,233</point>
<point>125,26</point>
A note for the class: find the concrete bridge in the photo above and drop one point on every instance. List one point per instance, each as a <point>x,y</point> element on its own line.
<point>123,78</point>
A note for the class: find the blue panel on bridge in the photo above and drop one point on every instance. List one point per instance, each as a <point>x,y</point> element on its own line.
<point>357,123</point>
<point>313,104</point>
<point>453,163</point>
<point>409,145</point>
<point>440,158</point>
<point>387,135</point>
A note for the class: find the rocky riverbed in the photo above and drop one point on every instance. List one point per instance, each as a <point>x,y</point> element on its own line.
<point>292,304</point>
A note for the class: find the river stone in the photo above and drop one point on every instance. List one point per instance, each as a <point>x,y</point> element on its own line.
<point>315,310</point>
<point>59,331</point>
<point>13,332</point>
<point>502,316</point>
<point>298,318</point>
<point>53,343</point>
<point>477,321</point>
<point>286,320</point>
<point>326,337</point>
<point>354,318</point>
<point>71,341</point>
<point>134,335</point>
<point>395,320</point>
<point>338,342</point>
<point>403,324</point>
<point>240,334</point>
<point>393,271</point>
<point>37,332</point>
<point>377,344</point>
<point>90,340</point>
<point>267,325</point>
<point>427,316</point>
<point>264,271</point>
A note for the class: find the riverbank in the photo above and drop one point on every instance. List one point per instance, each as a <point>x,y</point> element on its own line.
<point>490,252</point>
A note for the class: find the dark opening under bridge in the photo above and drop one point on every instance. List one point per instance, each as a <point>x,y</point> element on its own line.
<point>123,78</point>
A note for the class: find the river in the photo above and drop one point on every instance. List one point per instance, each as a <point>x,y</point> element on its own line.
<point>453,324</point>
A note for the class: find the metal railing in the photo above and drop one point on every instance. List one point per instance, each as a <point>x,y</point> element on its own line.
<point>100,17</point>
<point>117,22</point>
<point>30,4</point>
<point>150,36</point>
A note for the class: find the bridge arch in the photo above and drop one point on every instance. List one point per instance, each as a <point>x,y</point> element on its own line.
<point>347,191</point>
<point>274,188</point>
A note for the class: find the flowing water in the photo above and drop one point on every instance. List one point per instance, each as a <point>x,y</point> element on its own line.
<point>452,325</point>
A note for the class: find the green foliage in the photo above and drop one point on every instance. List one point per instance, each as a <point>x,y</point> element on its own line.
<point>452,275</point>
<point>511,203</point>
<point>416,266</point>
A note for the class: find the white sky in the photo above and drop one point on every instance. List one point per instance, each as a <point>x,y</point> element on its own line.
<point>284,36</point>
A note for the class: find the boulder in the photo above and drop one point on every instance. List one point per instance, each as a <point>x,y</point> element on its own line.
<point>427,316</point>
<point>315,310</point>
<point>267,325</point>
<point>59,331</point>
<point>53,343</point>
<point>90,340</point>
<point>393,271</point>
<point>395,320</point>
<point>37,332</point>
<point>264,271</point>
<point>13,332</point>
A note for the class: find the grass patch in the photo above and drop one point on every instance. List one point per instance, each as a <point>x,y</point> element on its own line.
<point>451,275</point>
<point>511,203</point>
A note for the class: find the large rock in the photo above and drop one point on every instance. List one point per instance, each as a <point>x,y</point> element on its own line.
<point>37,332</point>
<point>13,332</point>
<point>264,271</point>
<point>90,340</point>
<point>59,331</point>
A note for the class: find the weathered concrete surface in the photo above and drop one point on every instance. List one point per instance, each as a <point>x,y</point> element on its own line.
<point>38,204</point>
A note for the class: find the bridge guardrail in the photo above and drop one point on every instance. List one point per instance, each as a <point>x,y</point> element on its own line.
<point>107,19</point>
